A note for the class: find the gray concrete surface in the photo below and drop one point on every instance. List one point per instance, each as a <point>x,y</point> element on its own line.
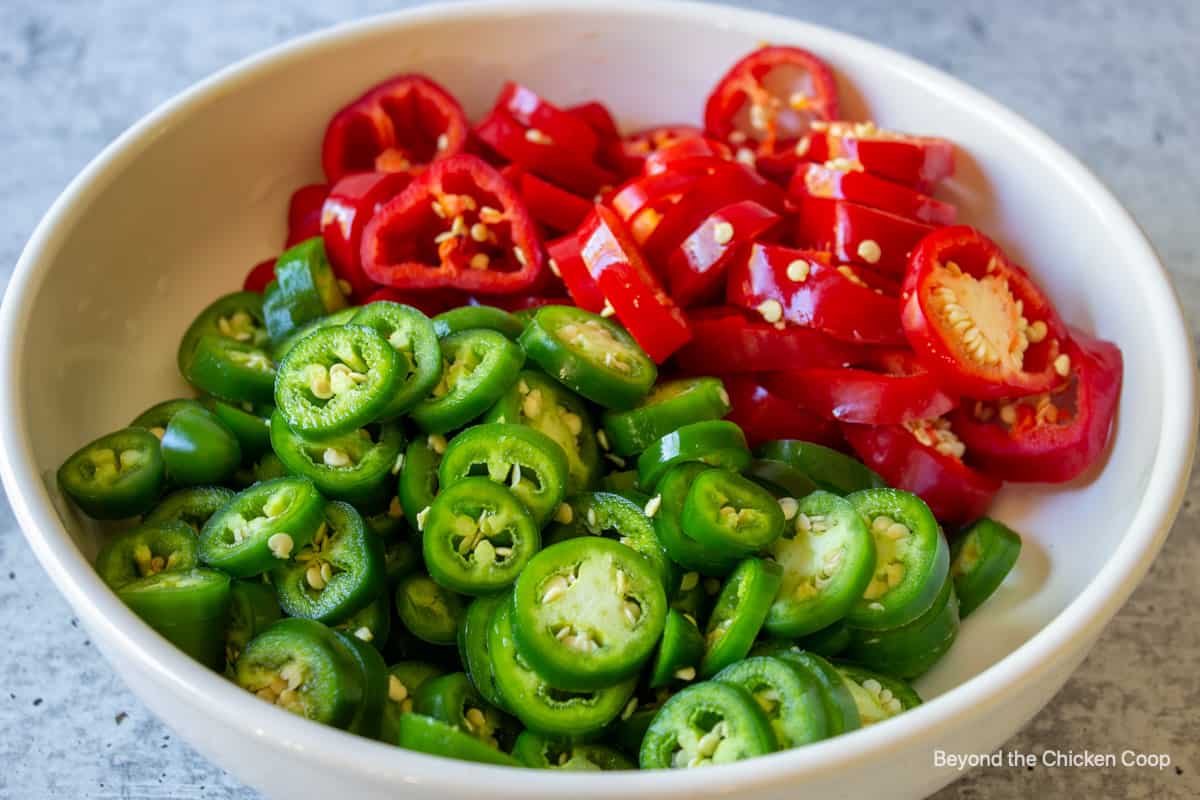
<point>1116,82</point>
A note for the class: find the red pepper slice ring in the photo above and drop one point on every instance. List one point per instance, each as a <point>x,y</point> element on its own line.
<point>763,415</point>
<point>400,125</point>
<point>351,204</point>
<point>567,262</point>
<point>727,340</point>
<point>532,111</point>
<point>1054,436</point>
<point>925,457</point>
<point>304,213</point>
<point>629,286</point>
<point>802,287</point>
<point>683,150</point>
<point>538,152</point>
<point>916,161</point>
<point>862,396</point>
<point>771,97</point>
<point>459,225</point>
<point>631,151</point>
<point>259,276</point>
<point>977,321</point>
<point>696,269</point>
<point>556,209</point>
<point>822,180</point>
<point>858,234</point>
<point>638,193</point>
<point>598,118</point>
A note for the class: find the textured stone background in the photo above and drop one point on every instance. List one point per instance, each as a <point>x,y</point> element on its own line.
<point>1116,82</point>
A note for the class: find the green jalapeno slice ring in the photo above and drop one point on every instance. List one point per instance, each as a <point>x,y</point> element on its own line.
<point>875,692</point>
<point>237,317</point>
<point>980,558</point>
<point>188,607</point>
<point>912,649</point>
<point>477,317</point>
<point>355,466</point>
<point>706,724</point>
<point>731,514</point>
<point>472,643</point>
<point>372,623</point>
<point>336,380</point>
<point>540,706</point>
<point>429,611</point>
<point>830,641</point>
<point>624,518</point>
<point>454,700</point>
<point>427,735</point>
<point>146,550</point>
<point>418,479</point>
<point>336,574</point>
<point>590,355</point>
<point>718,443</point>
<point>477,537</point>
<point>478,366</point>
<point>780,479</point>
<point>304,289</point>
<point>156,417</point>
<point>912,559</point>
<point>198,449</point>
<point>262,526</point>
<point>546,752</point>
<point>828,559</point>
<point>841,710</point>
<point>303,667</point>
<point>668,407</point>
<point>529,462</point>
<point>588,612</point>
<point>830,470</point>
<point>249,423</point>
<point>790,697</point>
<point>739,613</point>
<point>418,355</point>
<point>252,609</point>
<point>230,369</point>
<point>283,346</point>
<point>368,717</point>
<point>544,405</point>
<point>681,648</point>
<point>682,548</point>
<point>404,679</point>
<point>116,476</point>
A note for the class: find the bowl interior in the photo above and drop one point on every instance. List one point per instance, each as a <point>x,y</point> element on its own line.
<point>198,197</point>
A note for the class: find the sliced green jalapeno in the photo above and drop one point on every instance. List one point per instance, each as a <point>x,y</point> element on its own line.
<point>418,356</point>
<point>146,550</point>
<point>427,735</point>
<point>252,609</point>
<point>478,366</point>
<point>475,317</point>
<point>198,449</point>
<point>222,351</point>
<point>116,476</point>
<point>473,645</point>
<point>912,559</point>
<point>532,465</point>
<point>338,573</point>
<point>589,354</point>
<point>780,479</point>
<point>404,679</point>
<point>372,623</point>
<point>545,406</point>
<point>980,558</point>
<point>624,519</point>
<point>681,647</point>
<point>368,717</point>
<point>188,607</point>
<point>303,667</point>
<point>730,514</point>
<point>454,700</point>
<point>156,417</point>
<point>629,730</point>
<point>717,443</point>
<point>304,289</point>
<point>874,690</point>
<point>540,706</point>
<point>830,641</point>
<point>429,611</point>
<point>667,408</point>
<point>683,549</point>
<point>419,475</point>
<point>477,537</point>
<point>589,612</point>
<point>250,424</point>
<point>841,711</point>
<point>544,752</point>
<point>739,613</point>
<point>355,466</point>
<point>336,380</point>
<point>830,470</point>
<point>283,346</point>
<point>912,649</point>
<point>262,526</point>
<point>706,724</point>
<point>790,697</point>
<point>828,559</point>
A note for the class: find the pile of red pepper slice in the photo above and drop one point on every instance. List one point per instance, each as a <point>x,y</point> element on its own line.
<point>801,257</point>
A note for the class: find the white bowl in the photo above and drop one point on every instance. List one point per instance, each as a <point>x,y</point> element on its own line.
<point>175,211</point>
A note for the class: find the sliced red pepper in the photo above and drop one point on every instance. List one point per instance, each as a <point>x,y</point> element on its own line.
<point>670,156</point>
<point>566,260</point>
<point>822,180</point>
<point>728,340</point>
<point>556,209</point>
<point>459,224</point>
<point>638,193</point>
<point>400,125</point>
<point>629,286</point>
<point>431,302</point>
<point>804,287</point>
<point>631,151</point>
<point>770,98</point>
<point>598,118</point>
<point>862,396</point>
<point>763,415</point>
<point>977,321</point>
<point>696,270</point>
<point>1053,436</point>
<point>304,213</point>
<point>532,111</point>
<point>351,204</point>
<point>536,151</point>
<point>858,234</point>
<point>916,161</point>
<point>259,276</point>
<point>925,457</point>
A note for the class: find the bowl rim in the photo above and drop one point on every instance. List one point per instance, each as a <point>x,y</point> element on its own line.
<point>1049,649</point>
